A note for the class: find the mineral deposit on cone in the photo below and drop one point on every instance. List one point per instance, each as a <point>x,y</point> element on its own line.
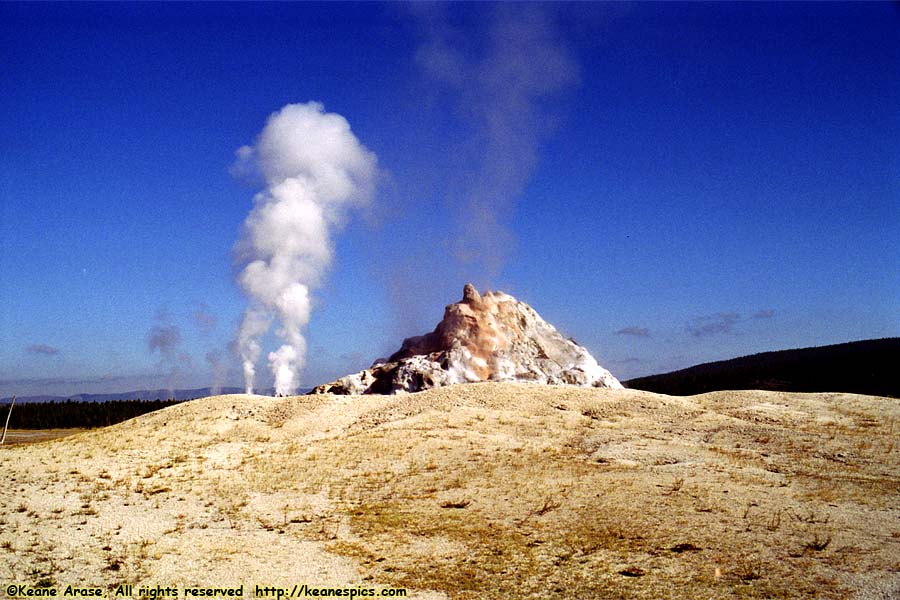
<point>490,337</point>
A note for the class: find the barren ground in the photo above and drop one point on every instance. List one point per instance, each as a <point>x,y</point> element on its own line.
<point>475,491</point>
<point>30,436</point>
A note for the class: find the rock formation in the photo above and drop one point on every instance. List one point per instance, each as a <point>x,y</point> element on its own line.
<point>493,337</point>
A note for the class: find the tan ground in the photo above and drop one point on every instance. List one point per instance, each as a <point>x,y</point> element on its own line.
<point>476,491</point>
<point>30,436</point>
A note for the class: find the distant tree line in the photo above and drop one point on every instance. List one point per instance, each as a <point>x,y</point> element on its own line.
<point>55,415</point>
<point>869,367</point>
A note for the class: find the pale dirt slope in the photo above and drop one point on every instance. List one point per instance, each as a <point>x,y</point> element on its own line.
<point>473,491</point>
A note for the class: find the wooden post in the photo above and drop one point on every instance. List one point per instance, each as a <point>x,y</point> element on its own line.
<point>8,415</point>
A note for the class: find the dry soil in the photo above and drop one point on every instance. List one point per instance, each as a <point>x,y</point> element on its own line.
<point>472,491</point>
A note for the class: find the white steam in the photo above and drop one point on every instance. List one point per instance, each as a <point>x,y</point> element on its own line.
<point>315,170</point>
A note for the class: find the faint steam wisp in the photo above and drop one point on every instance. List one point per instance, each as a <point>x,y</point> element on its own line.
<point>509,92</point>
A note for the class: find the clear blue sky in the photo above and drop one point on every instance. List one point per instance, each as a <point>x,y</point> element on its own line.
<point>668,183</point>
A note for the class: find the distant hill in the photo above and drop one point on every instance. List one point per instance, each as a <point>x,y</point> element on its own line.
<point>99,410</point>
<point>81,414</point>
<point>866,367</point>
<point>160,394</point>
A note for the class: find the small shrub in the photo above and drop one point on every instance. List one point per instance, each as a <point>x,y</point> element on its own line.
<point>818,543</point>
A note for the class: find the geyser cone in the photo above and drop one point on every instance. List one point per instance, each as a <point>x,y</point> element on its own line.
<point>489,337</point>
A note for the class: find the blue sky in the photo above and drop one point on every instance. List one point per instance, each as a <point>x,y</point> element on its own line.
<point>667,183</point>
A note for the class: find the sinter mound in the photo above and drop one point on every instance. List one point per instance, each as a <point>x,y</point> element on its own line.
<point>493,337</point>
<point>486,491</point>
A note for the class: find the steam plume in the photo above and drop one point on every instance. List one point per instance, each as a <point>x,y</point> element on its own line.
<point>219,370</point>
<point>165,339</point>
<point>315,170</point>
<point>509,92</point>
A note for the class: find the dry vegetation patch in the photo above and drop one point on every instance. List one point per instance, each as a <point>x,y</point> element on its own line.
<point>476,491</point>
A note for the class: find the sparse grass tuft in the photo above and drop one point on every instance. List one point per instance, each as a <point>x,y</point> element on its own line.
<point>549,505</point>
<point>819,542</point>
<point>675,487</point>
<point>456,503</point>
